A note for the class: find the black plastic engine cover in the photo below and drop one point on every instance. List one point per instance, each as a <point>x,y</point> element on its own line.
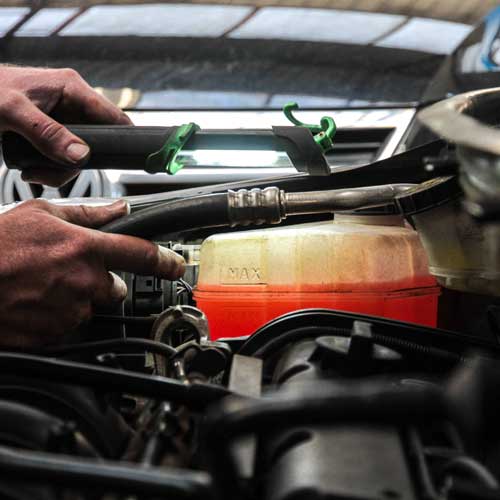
<point>346,462</point>
<point>336,462</point>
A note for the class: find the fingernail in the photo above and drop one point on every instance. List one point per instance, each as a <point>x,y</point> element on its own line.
<point>119,287</point>
<point>173,261</point>
<point>77,152</point>
<point>125,119</point>
<point>119,207</point>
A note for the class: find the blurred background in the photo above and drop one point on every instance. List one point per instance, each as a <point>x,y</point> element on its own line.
<point>235,63</point>
<point>218,54</point>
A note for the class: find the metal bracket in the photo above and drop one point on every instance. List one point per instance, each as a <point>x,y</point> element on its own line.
<point>165,158</point>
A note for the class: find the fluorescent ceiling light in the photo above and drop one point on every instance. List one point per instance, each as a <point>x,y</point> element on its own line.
<point>182,20</point>
<point>317,25</point>
<point>427,35</point>
<point>45,21</point>
<point>307,101</point>
<point>10,16</point>
<point>200,99</point>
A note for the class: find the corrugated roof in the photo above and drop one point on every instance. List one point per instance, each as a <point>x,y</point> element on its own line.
<point>464,11</point>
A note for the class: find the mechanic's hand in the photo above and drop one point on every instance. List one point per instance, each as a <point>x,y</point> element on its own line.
<point>29,95</point>
<point>54,268</point>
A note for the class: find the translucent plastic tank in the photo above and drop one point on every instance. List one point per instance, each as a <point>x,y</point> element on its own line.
<point>366,264</point>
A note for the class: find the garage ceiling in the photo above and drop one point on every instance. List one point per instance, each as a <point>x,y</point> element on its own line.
<point>464,11</point>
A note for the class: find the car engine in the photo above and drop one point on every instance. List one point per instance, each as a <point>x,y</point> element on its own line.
<point>311,358</point>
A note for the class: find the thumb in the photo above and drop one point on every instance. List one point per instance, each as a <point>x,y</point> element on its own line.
<point>87,216</point>
<point>47,135</point>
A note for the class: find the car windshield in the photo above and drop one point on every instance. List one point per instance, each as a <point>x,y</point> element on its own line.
<point>260,55</point>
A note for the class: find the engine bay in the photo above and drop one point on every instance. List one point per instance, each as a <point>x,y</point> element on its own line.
<point>316,404</point>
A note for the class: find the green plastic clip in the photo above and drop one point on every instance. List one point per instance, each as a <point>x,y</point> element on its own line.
<point>166,157</point>
<point>323,133</point>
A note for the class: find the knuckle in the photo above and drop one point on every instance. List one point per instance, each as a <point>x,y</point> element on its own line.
<point>83,284</point>
<point>85,215</point>
<point>50,131</point>
<point>10,100</point>
<point>37,204</point>
<point>79,284</point>
<point>69,74</point>
<point>81,246</point>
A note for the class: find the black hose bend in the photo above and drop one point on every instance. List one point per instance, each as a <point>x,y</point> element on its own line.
<point>189,213</point>
<point>470,467</point>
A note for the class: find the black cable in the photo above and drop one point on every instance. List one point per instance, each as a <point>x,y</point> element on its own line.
<point>190,213</point>
<point>195,396</point>
<point>442,345</point>
<point>116,345</point>
<point>463,489</point>
<point>293,321</point>
<point>277,343</point>
<point>416,455</point>
<point>312,332</point>
<point>471,467</point>
<point>106,476</point>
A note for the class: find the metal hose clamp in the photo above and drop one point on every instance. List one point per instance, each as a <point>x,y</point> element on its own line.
<point>256,206</point>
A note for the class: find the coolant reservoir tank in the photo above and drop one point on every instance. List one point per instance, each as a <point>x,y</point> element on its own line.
<point>369,264</point>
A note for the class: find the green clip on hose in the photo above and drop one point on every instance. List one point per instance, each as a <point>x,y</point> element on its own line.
<point>166,157</point>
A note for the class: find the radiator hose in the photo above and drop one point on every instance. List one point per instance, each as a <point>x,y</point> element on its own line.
<point>248,207</point>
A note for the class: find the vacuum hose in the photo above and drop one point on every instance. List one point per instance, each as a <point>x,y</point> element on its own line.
<point>248,207</point>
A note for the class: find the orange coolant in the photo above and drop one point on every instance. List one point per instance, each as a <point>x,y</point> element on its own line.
<point>366,264</point>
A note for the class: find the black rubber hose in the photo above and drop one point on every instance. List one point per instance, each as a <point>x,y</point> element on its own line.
<point>29,466</point>
<point>247,207</point>
<point>128,345</point>
<point>196,396</point>
<point>322,404</point>
<point>27,426</point>
<point>310,332</point>
<point>190,213</point>
<point>112,146</point>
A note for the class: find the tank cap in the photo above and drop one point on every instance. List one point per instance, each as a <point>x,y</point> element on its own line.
<point>428,195</point>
